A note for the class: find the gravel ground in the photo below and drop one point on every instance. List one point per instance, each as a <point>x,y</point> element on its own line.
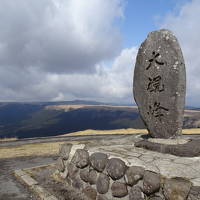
<point>55,187</point>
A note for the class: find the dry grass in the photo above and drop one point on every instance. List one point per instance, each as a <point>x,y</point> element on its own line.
<point>68,107</point>
<point>38,149</point>
<point>193,111</point>
<point>191,131</point>
<point>102,132</point>
<point>124,131</point>
<point>51,148</point>
<point>8,139</point>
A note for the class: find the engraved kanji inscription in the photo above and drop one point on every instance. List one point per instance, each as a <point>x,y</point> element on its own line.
<point>155,84</point>
<point>154,59</point>
<point>157,110</point>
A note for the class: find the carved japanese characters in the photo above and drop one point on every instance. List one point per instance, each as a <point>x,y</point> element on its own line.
<point>160,83</point>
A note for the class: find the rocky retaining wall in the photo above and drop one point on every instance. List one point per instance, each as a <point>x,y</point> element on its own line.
<point>101,177</point>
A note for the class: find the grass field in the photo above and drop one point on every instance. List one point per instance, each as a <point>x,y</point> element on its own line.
<point>39,149</point>
<point>124,131</point>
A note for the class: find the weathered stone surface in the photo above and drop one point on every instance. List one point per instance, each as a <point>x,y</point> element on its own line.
<point>64,151</point>
<point>90,192</point>
<point>84,174</point>
<point>77,182</point>
<point>151,182</point>
<point>160,84</point>
<point>134,174</point>
<point>98,161</point>
<point>119,189</point>
<point>194,193</point>
<point>189,149</point>
<point>176,188</point>
<point>116,168</point>
<point>60,165</point>
<point>72,170</point>
<point>136,193</point>
<point>103,182</point>
<point>102,197</point>
<point>157,196</point>
<point>81,158</point>
<point>92,179</point>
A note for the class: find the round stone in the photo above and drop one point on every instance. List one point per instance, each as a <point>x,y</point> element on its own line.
<point>151,182</point>
<point>136,193</point>
<point>134,174</point>
<point>81,158</point>
<point>116,168</point>
<point>84,174</point>
<point>98,161</point>
<point>90,192</point>
<point>176,188</point>
<point>101,197</point>
<point>77,182</point>
<point>103,182</point>
<point>119,189</point>
<point>92,179</point>
<point>72,170</point>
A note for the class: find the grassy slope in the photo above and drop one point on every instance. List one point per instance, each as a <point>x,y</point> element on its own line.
<point>52,148</point>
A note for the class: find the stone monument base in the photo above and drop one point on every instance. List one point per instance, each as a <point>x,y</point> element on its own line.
<point>179,147</point>
<point>119,169</point>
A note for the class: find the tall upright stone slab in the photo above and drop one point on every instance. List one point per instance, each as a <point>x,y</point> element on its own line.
<point>160,83</point>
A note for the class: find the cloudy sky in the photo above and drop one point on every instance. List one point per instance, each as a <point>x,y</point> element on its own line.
<point>52,50</point>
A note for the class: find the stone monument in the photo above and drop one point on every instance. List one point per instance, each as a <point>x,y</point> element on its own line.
<point>160,84</point>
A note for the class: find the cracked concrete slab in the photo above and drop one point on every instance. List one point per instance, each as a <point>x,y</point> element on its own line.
<point>166,164</point>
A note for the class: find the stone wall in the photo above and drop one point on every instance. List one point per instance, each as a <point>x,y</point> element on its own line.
<point>101,177</point>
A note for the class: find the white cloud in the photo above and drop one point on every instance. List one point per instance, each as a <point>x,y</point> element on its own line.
<point>60,36</point>
<point>186,27</point>
<point>63,50</point>
<point>57,50</point>
<point>108,84</point>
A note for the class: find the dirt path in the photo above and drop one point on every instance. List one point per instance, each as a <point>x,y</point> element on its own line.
<point>10,188</point>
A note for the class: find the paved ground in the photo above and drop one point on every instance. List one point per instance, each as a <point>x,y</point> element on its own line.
<point>10,188</point>
<point>115,145</point>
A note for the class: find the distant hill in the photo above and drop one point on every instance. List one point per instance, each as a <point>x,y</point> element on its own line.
<point>43,119</point>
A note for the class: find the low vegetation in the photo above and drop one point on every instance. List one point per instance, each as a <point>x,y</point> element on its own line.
<point>124,131</point>
<point>39,149</point>
<point>107,132</point>
<point>8,139</point>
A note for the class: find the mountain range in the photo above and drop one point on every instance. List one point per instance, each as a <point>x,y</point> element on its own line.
<point>43,119</point>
